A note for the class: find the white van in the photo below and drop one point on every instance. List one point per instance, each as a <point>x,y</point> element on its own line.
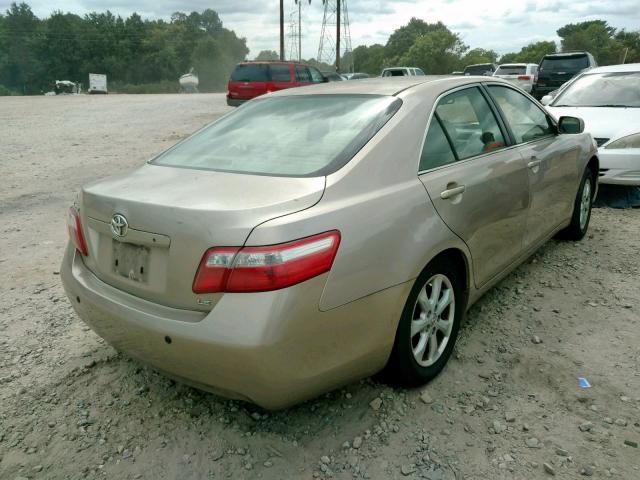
<point>523,75</point>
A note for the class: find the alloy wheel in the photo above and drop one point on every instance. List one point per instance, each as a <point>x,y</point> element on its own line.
<point>585,204</point>
<point>432,321</point>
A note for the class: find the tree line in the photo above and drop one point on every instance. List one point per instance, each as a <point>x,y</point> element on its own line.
<point>437,50</point>
<point>150,55</point>
<point>131,51</point>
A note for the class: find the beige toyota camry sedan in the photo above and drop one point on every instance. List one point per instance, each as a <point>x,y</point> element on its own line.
<point>318,235</point>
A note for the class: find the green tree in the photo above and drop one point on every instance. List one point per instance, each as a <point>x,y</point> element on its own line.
<point>596,37</point>
<point>404,37</point>
<point>21,67</point>
<point>436,52</point>
<point>630,41</point>
<point>267,55</point>
<point>479,55</point>
<point>531,53</point>
<point>369,59</point>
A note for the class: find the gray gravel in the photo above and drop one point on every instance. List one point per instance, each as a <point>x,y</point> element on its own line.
<point>508,406</point>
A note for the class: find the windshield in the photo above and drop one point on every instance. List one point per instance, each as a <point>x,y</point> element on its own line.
<point>298,135</point>
<point>564,64</point>
<point>619,89</point>
<point>511,70</point>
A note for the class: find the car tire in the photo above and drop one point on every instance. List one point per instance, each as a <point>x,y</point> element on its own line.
<point>581,216</point>
<point>404,367</point>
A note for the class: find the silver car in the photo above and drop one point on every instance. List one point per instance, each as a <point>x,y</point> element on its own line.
<point>317,235</point>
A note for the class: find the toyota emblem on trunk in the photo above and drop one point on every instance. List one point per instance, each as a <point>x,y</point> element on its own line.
<point>119,225</point>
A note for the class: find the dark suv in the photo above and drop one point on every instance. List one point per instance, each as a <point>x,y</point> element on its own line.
<point>252,79</point>
<point>557,68</point>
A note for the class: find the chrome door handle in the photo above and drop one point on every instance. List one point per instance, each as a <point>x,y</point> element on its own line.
<point>534,163</point>
<point>452,192</point>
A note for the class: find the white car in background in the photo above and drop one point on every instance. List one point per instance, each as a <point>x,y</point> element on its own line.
<point>608,100</point>
<point>522,75</point>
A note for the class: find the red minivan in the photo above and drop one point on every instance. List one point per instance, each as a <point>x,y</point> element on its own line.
<point>252,79</point>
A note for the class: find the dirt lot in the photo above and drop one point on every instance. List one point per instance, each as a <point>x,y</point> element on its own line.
<point>507,406</point>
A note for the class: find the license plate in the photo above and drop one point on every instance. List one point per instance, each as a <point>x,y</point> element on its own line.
<point>131,261</point>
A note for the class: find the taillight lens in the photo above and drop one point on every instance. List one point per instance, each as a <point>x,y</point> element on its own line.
<point>214,270</point>
<point>524,77</point>
<point>261,269</point>
<point>75,231</point>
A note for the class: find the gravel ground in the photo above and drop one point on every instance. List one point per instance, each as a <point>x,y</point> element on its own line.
<point>508,405</point>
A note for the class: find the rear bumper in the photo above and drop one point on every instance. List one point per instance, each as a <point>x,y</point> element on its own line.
<point>619,167</point>
<point>235,102</point>
<point>274,349</point>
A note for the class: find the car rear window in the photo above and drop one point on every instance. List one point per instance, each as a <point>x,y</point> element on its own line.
<point>297,135</point>
<point>511,70</point>
<point>261,72</point>
<point>393,73</point>
<point>564,64</point>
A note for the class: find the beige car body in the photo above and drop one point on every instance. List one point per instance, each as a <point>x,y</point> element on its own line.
<point>281,347</point>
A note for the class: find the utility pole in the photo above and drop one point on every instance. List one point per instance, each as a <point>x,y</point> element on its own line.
<point>338,36</point>
<point>282,30</point>
<point>299,30</point>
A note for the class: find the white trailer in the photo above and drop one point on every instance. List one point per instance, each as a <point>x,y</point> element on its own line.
<point>97,83</point>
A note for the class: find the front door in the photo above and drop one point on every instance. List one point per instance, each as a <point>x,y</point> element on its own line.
<point>478,184</point>
<point>551,161</point>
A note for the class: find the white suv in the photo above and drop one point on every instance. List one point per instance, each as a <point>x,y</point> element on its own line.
<point>402,72</point>
<point>523,75</point>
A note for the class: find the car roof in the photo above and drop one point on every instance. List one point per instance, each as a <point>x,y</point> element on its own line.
<point>627,67</point>
<point>565,54</point>
<point>384,86</point>
<point>516,64</point>
<point>478,65</point>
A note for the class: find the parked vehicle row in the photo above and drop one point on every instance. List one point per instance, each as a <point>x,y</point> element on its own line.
<point>318,235</point>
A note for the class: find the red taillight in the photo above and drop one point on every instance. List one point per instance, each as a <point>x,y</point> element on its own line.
<point>214,270</point>
<point>261,269</point>
<point>75,231</point>
<point>524,77</point>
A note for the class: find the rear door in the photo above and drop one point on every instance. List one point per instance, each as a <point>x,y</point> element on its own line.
<point>281,76</point>
<point>551,161</point>
<point>477,183</point>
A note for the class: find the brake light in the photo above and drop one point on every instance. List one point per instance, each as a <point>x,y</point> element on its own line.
<point>262,269</point>
<point>524,77</point>
<point>75,231</point>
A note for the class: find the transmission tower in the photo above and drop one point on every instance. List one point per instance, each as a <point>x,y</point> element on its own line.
<point>336,13</point>
<point>295,31</point>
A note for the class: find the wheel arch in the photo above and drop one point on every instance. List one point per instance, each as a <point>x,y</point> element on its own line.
<point>462,264</point>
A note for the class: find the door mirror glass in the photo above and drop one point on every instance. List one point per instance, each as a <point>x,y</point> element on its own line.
<point>570,125</point>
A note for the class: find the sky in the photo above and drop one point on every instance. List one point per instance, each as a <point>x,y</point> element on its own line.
<point>500,25</point>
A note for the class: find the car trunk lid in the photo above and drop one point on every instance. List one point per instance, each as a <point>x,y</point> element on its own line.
<point>147,230</point>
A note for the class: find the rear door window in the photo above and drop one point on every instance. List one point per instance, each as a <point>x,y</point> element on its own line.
<point>470,123</point>
<point>527,121</point>
<point>302,74</point>
<point>280,73</point>
<point>251,72</point>
<point>436,150</point>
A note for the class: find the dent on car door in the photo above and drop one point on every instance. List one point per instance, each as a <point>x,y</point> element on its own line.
<point>477,183</point>
<point>551,161</point>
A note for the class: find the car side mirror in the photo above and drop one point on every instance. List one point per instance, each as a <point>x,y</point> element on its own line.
<point>325,79</point>
<point>571,125</point>
<point>546,100</point>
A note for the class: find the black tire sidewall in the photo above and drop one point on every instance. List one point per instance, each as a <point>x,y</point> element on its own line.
<point>405,368</point>
<point>575,231</point>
